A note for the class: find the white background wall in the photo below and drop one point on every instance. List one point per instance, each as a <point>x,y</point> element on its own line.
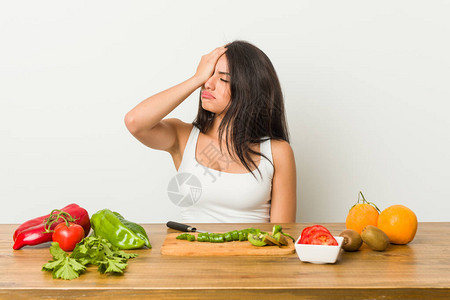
<point>366,87</point>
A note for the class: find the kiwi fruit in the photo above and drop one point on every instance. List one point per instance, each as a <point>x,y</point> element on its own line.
<point>352,240</point>
<point>270,240</point>
<point>257,239</point>
<point>375,238</point>
<point>281,239</point>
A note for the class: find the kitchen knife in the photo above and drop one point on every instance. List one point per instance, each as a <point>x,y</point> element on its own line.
<point>182,227</point>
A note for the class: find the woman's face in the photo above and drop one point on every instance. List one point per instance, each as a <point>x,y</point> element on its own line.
<point>216,93</point>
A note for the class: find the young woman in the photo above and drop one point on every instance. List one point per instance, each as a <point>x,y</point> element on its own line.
<point>238,145</point>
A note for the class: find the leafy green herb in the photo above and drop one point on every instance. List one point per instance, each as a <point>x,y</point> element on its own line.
<point>91,250</point>
<point>63,266</point>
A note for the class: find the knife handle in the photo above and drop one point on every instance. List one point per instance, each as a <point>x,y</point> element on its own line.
<point>181,227</point>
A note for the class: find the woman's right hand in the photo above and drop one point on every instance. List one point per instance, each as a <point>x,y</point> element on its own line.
<point>207,64</point>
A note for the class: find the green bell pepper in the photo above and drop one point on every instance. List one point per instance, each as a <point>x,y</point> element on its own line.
<point>136,228</point>
<point>109,226</point>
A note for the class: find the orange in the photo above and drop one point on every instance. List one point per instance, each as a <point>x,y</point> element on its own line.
<point>399,223</point>
<point>361,215</point>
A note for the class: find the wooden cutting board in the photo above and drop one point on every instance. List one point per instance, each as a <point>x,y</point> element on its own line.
<point>172,246</point>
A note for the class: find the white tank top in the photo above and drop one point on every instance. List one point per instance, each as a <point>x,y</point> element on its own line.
<point>225,197</point>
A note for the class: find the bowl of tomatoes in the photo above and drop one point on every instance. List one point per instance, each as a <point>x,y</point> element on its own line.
<point>317,245</point>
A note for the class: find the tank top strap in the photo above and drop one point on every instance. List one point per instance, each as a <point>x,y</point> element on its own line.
<point>189,150</point>
<point>266,149</point>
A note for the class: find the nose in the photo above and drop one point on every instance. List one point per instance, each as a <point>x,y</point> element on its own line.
<point>210,84</point>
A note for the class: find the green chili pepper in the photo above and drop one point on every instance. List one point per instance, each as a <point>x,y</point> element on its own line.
<point>235,235</point>
<point>253,230</point>
<point>276,229</point>
<point>136,228</point>
<point>203,237</point>
<point>286,234</point>
<point>107,225</point>
<point>212,237</point>
<point>216,238</point>
<point>186,236</point>
<point>182,236</point>
<point>228,237</point>
<point>206,237</point>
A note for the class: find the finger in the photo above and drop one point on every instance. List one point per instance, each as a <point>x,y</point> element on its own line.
<point>218,52</point>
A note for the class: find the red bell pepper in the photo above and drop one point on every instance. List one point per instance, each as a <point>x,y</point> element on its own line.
<point>34,232</point>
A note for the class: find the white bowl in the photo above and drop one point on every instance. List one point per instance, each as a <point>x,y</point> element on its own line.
<point>319,254</point>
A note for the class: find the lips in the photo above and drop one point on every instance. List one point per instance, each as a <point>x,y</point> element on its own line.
<point>207,95</point>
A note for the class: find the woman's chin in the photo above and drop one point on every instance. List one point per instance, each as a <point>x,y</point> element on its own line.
<point>207,107</point>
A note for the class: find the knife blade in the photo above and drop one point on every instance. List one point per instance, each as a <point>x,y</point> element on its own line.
<point>182,227</point>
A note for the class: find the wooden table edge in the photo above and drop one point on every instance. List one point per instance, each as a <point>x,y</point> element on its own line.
<point>227,293</point>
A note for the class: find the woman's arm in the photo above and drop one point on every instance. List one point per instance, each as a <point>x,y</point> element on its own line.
<point>145,120</point>
<point>284,184</point>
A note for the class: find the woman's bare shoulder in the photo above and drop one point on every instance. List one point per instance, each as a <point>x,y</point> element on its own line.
<point>281,151</point>
<point>280,146</point>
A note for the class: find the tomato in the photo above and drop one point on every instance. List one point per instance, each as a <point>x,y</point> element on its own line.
<point>317,235</point>
<point>307,232</point>
<point>321,237</point>
<point>68,236</point>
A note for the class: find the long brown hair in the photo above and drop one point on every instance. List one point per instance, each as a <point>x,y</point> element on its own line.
<point>256,109</point>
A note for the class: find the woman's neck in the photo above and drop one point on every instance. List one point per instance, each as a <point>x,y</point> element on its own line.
<point>213,131</point>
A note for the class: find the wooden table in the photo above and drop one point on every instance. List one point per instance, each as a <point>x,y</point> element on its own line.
<point>420,269</point>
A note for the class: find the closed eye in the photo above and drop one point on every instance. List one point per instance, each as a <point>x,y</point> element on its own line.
<point>224,73</point>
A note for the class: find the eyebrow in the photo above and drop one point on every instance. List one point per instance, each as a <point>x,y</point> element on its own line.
<point>224,73</point>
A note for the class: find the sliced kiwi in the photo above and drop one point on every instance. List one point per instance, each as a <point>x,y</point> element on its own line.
<point>375,238</point>
<point>281,239</point>
<point>352,240</point>
<point>270,240</point>
<point>257,239</point>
